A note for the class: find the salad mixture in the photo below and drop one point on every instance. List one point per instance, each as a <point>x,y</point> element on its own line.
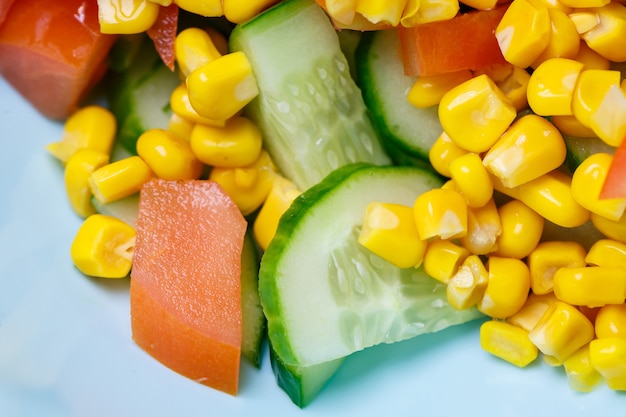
<point>411,167</point>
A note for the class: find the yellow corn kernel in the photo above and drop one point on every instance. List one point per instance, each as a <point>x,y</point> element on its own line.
<point>511,80</point>
<point>466,287</point>
<point>570,126</point>
<point>608,37</point>
<point>238,11</point>
<point>389,231</point>
<point>579,4</point>
<point>591,286</point>
<point>524,32</point>
<point>221,88</point>
<point>582,376</point>
<point>551,86</point>
<point>472,179</point>
<point>179,101</point>
<point>193,48</point>
<point>584,20</point>
<point>608,356</point>
<point>249,185</point>
<point>507,287</point>
<point>612,229</point>
<point>551,196</point>
<point>162,2</point>
<point>440,213</point>
<point>475,113</point>
<point>561,331</point>
<point>521,230</point>
<point>587,182</point>
<point>607,121</point>
<point>564,40</point>
<point>483,229</point>
<point>611,321</point>
<point>443,259</point>
<point>235,145</point>
<point>591,87</point>
<point>481,4</point>
<point>180,127</point>
<point>434,10</point>
<point>77,171</point>
<point>206,8</point>
<point>279,198</point>
<point>168,156</point>
<point>119,179</point>
<point>442,152</point>
<point>590,58</point>
<point>91,127</point>
<point>556,4</point>
<point>548,257</point>
<point>530,148</point>
<point>532,311</point>
<point>507,342</point>
<point>126,16</point>
<point>427,91</point>
<point>607,252</point>
<point>103,247</point>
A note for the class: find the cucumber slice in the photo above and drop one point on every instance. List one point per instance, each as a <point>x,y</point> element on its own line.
<point>125,209</point>
<point>253,319</point>
<point>140,96</point>
<point>578,149</point>
<point>380,74</point>
<point>309,108</point>
<point>325,296</point>
<point>302,383</point>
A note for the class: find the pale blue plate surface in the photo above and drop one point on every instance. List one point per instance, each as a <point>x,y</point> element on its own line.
<point>66,348</point>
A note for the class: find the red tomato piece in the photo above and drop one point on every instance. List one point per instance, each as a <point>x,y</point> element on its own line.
<point>5,5</point>
<point>163,34</point>
<point>615,182</point>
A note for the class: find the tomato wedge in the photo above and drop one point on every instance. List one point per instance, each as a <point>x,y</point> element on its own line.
<point>5,5</point>
<point>615,182</point>
<point>163,34</point>
<point>466,42</point>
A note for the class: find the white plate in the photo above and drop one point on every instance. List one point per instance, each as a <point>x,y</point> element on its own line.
<point>66,348</point>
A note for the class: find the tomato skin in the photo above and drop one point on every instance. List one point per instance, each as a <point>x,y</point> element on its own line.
<point>52,52</point>
<point>615,181</point>
<point>163,34</point>
<point>5,5</point>
<point>466,42</point>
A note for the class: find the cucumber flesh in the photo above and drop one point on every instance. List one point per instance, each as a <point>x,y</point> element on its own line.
<point>125,209</point>
<point>309,108</point>
<point>325,296</point>
<point>578,149</point>
<point>380,75</point>
<point>253,319</point>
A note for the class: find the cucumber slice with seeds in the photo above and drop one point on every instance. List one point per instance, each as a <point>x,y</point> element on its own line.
<point>309,108</point>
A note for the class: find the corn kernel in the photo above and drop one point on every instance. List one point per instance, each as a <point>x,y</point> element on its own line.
<point>279,198</point>
<point>532,311</point>
<point>440,213</point>
<point>475,113</point>
<point>551,86</point>
<point>389,231</point>
<point>221,88</point>
<point>119,179</point>
<point>91,127</point>
<point>608,356</point>
<point>590,90</point>
<point>483,229</point>
<point>591,286</point>
<point>77,171</point>
<point>472,179</point>
<point>524,32</point>
<point>611,321</point>
<point>126,16</point>
<point>587,182</point>
<point>193,48</point>
<point>103,247</point>
<point>442,152</point>
<point>234,145</point>
<point>249,185</point>
<point>570,126</point>
<point>582,376</point>
<point>530,148</point>
<point>238,11</point>
<point>607,121</point>
<point>179,101</point>
<point>607,252</point>
<point>579,4</point>
<point>507,287</point>
<point>561,331</point>
<point>551,196</point>
<point>564,40</point>
<point>507,342</point>
<point>206,8</point>
<point>466,287</point>
<point>548,257</point>
<point>481,4</point>
<point>511,80</point>
<point>590,58</point>
<point>521,230</point>
<point>427,91</point>
<point>168,156</point>
<point>162,2</point>
<point>443,259</point>
<point>608,37</point>
<point>180,127</point>
<point>435,10</point>
<point>612,229</point>
<point>558,5</point>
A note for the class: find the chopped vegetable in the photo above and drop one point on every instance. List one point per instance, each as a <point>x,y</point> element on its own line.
<point>163,33</point>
